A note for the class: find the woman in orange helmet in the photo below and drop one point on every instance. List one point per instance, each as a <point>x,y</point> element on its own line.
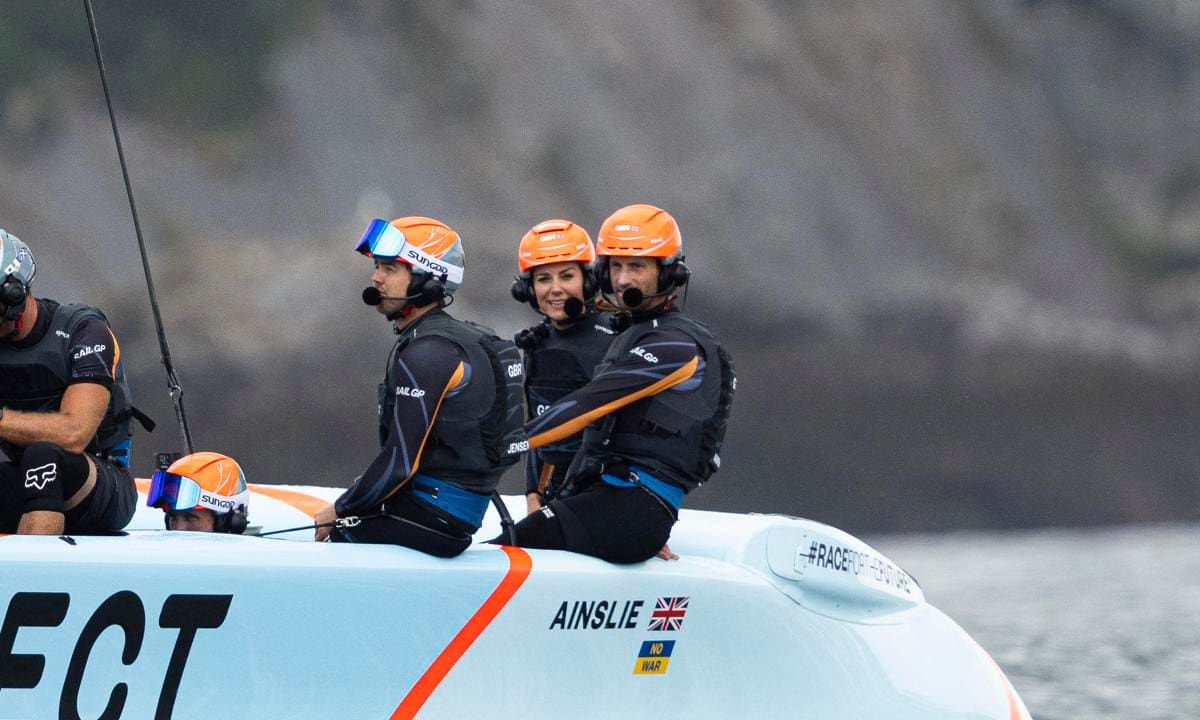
<point>555,260</point>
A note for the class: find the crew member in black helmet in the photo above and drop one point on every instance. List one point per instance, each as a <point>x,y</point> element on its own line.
<point>655,412</point>
<point>450,402</point>
<point>557,278</point>
<point>64,411</point>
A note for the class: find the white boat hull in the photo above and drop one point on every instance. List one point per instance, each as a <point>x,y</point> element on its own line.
<point>783,618</point>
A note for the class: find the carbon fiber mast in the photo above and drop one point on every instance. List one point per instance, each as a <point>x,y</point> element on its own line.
<point>174,389</point>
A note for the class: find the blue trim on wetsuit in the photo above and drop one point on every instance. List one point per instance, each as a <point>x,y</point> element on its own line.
<point>451,499</point>
<point>668,493</point>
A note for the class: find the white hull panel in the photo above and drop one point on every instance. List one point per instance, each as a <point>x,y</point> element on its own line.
<point>783,618</point>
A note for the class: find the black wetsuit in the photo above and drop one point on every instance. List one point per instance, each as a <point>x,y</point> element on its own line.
<point>69,344</point>
<point>655,416</point>
<point>448,408</point>
<point>558,362</point>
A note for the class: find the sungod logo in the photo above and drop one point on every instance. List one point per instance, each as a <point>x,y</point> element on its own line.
<point>216,502</point>
<point>424,260</point>
<point>85,351</point>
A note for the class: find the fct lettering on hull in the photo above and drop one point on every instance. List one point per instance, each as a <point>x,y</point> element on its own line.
<point>23,671</point>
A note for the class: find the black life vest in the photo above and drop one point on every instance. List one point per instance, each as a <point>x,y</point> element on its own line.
<point>469,439</point>
<point>562,362</point>
<point>675,435</point>
<point>34,378</point>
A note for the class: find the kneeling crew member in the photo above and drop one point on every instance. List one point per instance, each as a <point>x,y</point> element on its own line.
<point>557,278</point>
<point>202,492</point>
<point>655,413</point>
<point>449,404</point>
<point>64,411</point>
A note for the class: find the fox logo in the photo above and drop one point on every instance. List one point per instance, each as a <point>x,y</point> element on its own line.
<point>39,477</point>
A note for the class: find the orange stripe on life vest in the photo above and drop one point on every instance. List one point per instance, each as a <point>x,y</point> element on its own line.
<point>116,353</point>
<point>519,566</point>
<point>307,504</point>
<point>544,480</point>
<point>573,426</point>
<point>455,378</point>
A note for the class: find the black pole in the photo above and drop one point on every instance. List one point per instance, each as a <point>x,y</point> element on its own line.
<point>174,389</point>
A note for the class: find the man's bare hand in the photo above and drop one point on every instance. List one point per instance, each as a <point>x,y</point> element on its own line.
<point>533,503</point>
<point>666,553</point>
<point>324,516</point>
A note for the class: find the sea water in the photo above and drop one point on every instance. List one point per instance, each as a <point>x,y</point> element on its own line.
<point>1086,623</point>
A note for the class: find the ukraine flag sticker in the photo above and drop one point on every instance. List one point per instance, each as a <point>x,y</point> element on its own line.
<point>653,657</point>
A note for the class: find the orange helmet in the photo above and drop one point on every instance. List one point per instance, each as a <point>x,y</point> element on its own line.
<point>643,231</point>
<point>426,245</point>
<point>555,241</point>
<point>203,480</point>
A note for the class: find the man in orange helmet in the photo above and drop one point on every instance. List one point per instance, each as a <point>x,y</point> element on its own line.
<point>450,399</point>
<point>653,417</point>
<point>202,492</point>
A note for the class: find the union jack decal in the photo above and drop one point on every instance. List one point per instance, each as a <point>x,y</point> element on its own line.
<point>668,613</point>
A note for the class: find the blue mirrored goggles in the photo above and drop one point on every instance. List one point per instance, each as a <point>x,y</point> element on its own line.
<point>381,239</point>
<point>169,491</point>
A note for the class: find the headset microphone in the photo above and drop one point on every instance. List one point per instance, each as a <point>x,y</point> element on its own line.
<point>372,296</point>
<point>632,297</point>
<point>573,307</point>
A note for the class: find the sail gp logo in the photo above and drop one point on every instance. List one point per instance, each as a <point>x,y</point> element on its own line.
<point>85,351</point>
<point>647,356</point>
<point>39,477</point>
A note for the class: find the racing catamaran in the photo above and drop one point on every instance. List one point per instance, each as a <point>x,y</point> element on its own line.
<point>763,616</point>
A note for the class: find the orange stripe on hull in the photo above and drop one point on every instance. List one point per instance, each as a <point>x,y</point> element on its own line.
<point>1014,710</point>
<point>303,502</point>
<point>1014,707</point>
<point>519,566</point>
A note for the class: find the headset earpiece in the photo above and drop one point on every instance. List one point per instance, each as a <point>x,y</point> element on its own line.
<point>590,285</point>
<point>673,276</point>
<point>235,522</point>
<point>427,289</point>
<point>12,293</point>
<point>519,289</point>
<point>522,291</point>
<point>603,278</point>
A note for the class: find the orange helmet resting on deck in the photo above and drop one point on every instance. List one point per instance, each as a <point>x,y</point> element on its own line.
<point>550,242</point>
<point>203,481</point>
<point>642,231</point>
